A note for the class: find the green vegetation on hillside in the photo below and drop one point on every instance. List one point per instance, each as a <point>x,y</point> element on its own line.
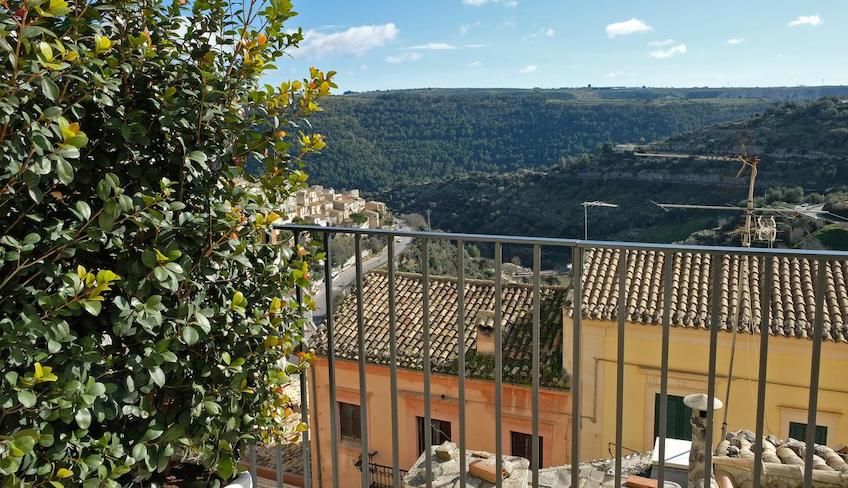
<point>546,202</point>
<point>379,140</point>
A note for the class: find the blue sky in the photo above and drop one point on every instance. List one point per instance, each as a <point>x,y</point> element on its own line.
<point>391,44</point>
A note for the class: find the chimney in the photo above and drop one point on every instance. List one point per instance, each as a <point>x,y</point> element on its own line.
<point>699,403</point>
<point>485,323</point>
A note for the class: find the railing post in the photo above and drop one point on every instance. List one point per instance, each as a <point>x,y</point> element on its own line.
<point>425,333</point>
<point>818,330</point>
<point>716,272</point>
<point>363,365</point>
<point>765,328</point>
<point>668,266</point>
<point>331,359</point>
<point>498,363</point>
<point>577,321</point>
<point>304,410</point>
<point>619,382</point>
<point>393,365</point>
<point>536,462</point>
<point>460,332</point>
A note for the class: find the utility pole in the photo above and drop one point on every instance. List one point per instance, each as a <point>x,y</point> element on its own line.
<point>586,206</point>
<point>429,227</point>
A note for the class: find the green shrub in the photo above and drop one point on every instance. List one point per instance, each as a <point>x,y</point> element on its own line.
<point>143,317</point>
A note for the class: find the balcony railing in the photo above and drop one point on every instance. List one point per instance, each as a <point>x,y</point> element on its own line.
<point>392,475</point>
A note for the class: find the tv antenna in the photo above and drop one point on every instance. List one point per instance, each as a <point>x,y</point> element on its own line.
<point>749,162</point>
<point>586,206</point>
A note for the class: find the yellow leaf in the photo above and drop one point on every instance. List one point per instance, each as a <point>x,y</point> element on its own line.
<point>39,371</point>
<point>276,305</point>
<point>102,43</point>
<point>71,56</point>
<point>58,8</point>
<point>271,217</point>
<point>46,51</point>
<point>80,269</point>
<point>324,89</point>
<point>64,472</point>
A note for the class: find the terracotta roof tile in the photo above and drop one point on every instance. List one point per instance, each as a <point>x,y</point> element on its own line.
<point>793,300</point>
<point>479,299</point>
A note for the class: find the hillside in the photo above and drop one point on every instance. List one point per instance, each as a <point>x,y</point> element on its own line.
<point>381,139</point>
<point>547,202</point>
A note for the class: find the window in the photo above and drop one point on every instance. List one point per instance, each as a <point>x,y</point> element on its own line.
<point>678,415</point>
<point>798,431</point>
<point>441,432</point>
<point>522,446</point>
<point>349,422</point>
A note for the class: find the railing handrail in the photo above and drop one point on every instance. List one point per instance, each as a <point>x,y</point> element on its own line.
<point>565,242</point>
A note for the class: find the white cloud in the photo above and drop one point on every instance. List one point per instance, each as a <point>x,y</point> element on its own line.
<point>464,28</point>
<point>475,64</point>
<point>627,27</point>
<point>530,68</point>
<point>480,3</point>
<point>813,20</point>
<point>363,67</point>
<point>403,58</point>
<point>549,32</point>
<point>614,74</point>
<point>670,52</point>
<point>735,40</point>
<point>433,46</point>
<point>661,43</point>
<point>355,41</point>
<point>543,32</point>
<point>475,46</point>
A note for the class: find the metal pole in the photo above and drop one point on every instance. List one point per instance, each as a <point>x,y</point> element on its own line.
<point>585,222</point>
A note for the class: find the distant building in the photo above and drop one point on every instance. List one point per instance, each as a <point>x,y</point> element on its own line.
<point>326,206</point>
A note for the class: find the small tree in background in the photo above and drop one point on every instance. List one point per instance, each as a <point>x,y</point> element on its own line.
<point>143,317</point>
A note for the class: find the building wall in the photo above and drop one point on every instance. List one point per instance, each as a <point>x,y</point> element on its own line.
<point>787,392</point>
<point>554,419</point>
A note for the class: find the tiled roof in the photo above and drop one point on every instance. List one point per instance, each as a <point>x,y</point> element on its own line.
<point>792,305</point>
<point>790,451</point>
<point>479,299</point>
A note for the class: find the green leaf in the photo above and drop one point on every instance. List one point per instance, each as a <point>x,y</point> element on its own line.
<point>64,171</point>
<point>49,88</point>
<point>190,335</point>
<point>27,398</point>
<point>226,467</point>
<point>83,418</point>
<point>157,376</point>
<point>84,210</point>
<point>92,306</point>
<point>139,452</point>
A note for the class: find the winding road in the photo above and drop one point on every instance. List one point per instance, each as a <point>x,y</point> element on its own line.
<point>347,276</point>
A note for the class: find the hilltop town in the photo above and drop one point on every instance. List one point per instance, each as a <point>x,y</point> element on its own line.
<point>327,207</point>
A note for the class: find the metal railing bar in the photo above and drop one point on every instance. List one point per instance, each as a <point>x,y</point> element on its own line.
<point>425,350</point>
<point>278,465</point>
<point>765,328</point>
<point>331,360</point>
<point>818,331</point>
<point>715,318</point>
<point>251,456</point>
<point>363,373</point>
<point>584,244</point>
<point>577,320</point>
<point>619,383</point>
<point>393,364</point>
<point>304,410</point>
<point>498,363</point>
<point>535,463</point>
<point>460,332</point>
<point>668,261</point>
